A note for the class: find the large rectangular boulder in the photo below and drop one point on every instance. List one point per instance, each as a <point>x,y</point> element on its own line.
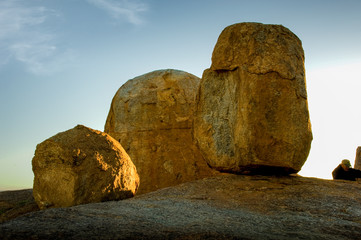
<point>252,111</point>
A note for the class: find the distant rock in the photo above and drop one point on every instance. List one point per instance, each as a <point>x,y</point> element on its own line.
<point>151,116</point>
<point>81,166</point>
<point>223,207</point>
<point>252,111</point>
<point>358,159</point>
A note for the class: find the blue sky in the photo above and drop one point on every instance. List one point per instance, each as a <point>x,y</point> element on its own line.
<point>61,62</point>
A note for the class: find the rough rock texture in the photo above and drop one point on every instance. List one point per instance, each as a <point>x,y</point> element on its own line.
<point>358,159</point>
<point>151,116</point>
<point>223,207</point>
<point>80,166</point>
<point>16,203</point>
<point>252,111</point>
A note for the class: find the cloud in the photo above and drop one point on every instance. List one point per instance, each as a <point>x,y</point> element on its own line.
<point>23,38</point>
<point>122,9</point>
<point>41,57</point>
<point>15,18</point>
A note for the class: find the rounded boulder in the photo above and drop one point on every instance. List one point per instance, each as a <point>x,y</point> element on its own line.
<point>151,116</point>
<point>81,166</point>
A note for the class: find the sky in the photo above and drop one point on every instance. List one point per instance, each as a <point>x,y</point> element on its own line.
<point>61,62</point>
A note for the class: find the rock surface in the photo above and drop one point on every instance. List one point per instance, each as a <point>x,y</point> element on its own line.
<point>16,203</point>
<point>151,116</point>
<point>222,207</point>
<point>358,159</point>
<point>80,166</point>
<point>252,111</point>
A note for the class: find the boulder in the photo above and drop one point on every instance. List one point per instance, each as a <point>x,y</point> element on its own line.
<point>151,116</point>
<point>81,166</point>
<point>357,164</point>
<point>252,111</point>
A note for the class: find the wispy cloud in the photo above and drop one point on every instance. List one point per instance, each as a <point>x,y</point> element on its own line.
<point>122,9</point>
<point>40,56</point>
<point>23,38</point>
<point>14,18</point>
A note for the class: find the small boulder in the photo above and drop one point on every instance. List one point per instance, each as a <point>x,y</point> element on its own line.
<point>151,116</point>
<point>81,166</point>
<point>252,111</point>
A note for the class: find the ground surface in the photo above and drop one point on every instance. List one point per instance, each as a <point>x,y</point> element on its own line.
<point>223,207</point>
<point>16,203</point>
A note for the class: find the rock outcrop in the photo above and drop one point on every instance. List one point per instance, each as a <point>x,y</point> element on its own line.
<point>80,166</point>
<point>252,111</point>
<point>16,203</point>
<point>151,116</point>
<point>357,164</point>
<point>222,207</point>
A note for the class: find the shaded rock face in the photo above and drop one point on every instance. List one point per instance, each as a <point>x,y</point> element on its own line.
<point>252,111</point>
<point>80,166</point>
<point>222,207</point>
<point>151,116</point>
